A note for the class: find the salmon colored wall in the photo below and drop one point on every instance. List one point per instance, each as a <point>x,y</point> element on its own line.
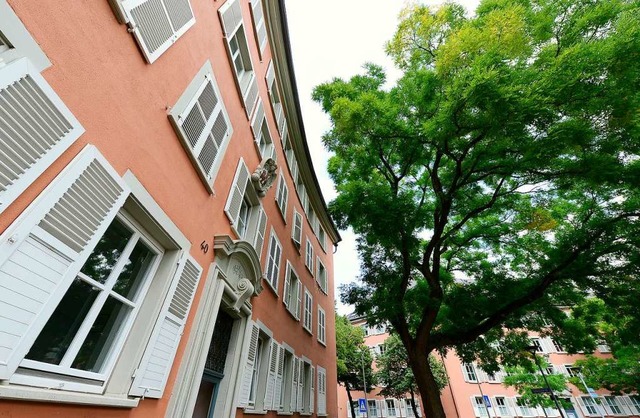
<point>122,102</point>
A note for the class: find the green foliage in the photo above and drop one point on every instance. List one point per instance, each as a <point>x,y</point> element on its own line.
<point>351,355</point>
<point>497,179</point>
<point>526,378</point>
<point>620,374</point>
<point>395,375</point>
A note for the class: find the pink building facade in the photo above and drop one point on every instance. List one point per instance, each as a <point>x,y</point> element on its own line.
<point>165,250</point>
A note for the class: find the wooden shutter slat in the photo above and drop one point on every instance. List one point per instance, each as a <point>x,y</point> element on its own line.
<point>245,388</point>
<point>236,195</point>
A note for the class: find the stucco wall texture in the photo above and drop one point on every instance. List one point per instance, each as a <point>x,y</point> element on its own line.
<point>122,102</point>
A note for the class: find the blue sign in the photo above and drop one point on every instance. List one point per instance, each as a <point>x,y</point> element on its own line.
<point>362,405</point>
<point>487,401</point>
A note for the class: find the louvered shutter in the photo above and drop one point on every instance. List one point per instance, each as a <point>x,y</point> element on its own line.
<point>299,306</point>
<point>274,99</point>
<point>287,284</point>
<point>203,129</point>
<point>261,228</point>
<point>259,25</point>
<point>271,376</point>
<point>152,373</point>
<point>294,385</point>
<point>245,388</point>
<point>283,195</point>
<point>256,124</point>
<point>35,128</point>
<point>300,393</point>
<point>284,129</point>
<point>251,95</point>
<point>41,253</point>
<point>236,194</point>
<point>312,392</point>
<point>157,24</point>
<point>279,380</point>
<point>322,391</point>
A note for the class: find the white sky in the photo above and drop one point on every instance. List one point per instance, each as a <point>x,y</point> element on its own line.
<point>334,38</point>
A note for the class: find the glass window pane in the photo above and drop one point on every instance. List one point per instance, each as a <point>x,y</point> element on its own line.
<point>134,271</point>
<point>107,252</point>
<point>58,333</point>
<point>102,335</point>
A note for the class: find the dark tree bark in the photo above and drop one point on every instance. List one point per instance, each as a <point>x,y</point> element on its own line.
<point>427,386</point>
<point>413,404</point>
<point>353,412</point>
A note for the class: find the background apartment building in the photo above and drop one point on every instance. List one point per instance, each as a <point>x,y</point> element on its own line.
<point>473,393</point>
<point>165,249</point>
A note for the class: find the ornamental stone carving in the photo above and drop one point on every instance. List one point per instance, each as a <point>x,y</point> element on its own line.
<point>264,176</point>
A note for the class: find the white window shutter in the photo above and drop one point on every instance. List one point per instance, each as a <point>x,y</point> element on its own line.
<point>245,387</point>
<point>203,129</point>
<point>256,123</point>
<point>251,95</point>
<point>46,248</point>
<point>271,376</point>
<point>282,126</point>
<point>312,392</point>
<point>299,306</point>
<point>322,391</point>
<point>287,284</point>
<point>259,25</point>
<point>230,16</point>
<point>152,373</point>
<point>157,24</point>
<point>261,228</point>
<point>296,231</point>
<point>279,379</point>
<point>36,127</point>
<point>300,394</point>
<point>294,385</point>
<point>236,194</point>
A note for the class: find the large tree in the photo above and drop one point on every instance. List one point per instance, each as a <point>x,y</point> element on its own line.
<point>497,179</point>
<point>395,375</point>
<point>353,357</point>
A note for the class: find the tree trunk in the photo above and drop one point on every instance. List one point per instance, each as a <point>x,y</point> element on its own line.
<point>413,404</point>
<point>427,385</point>
<point>353,411</point>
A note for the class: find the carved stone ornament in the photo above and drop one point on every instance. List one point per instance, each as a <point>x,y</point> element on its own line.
<point>264,176</point>
<point>244,290</point>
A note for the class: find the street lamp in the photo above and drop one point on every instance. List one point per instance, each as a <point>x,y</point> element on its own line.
<point>533,350</point>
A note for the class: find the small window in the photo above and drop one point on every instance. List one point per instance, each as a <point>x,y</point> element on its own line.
<point>282,196</point>
<point>273,261</point>
<point>321,276</point>
<point>501,405</point>
<point>538,344</point>
<point>322,391</point>
<point>479,407</point>
<point>259,26</point>
<point>372,406</point>
<point>526,410</point>
<point>308,261</point>
<point>589,405</point>
<point>262,134</point>
<point>276,104</point>
<point>572,371</point>
<point>256,371</point>
<point>308,310</point>
<point>391,407</point>
<point>612,404</point>
<point>292,298</point>
<point>296,231</point>
<point>558,347</point>
<point>321,326</point>
<point>469,372</point>
<point>244,210</point>
<point>322,238</point>
<point>239,56</point>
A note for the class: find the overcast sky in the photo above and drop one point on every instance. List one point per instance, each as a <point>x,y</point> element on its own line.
<point>334,38</point>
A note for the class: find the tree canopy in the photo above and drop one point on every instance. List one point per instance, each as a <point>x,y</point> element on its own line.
<point>497,179</point>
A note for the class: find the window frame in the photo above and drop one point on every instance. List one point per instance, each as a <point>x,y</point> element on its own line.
<point>272,274</point>
<point>309,256</point>
<point>282,196</point>
<point>322,324</point>
<point>322,276</point>
<point>307,322</point>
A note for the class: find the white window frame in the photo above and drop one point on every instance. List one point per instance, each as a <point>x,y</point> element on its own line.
<point>322,277</point>
<point>590,406</point>
<point>537,342</point>
<point>259,26</point>
<point>308,311</point>
<point>296,229</point>
<point>282,196</point>
<point>274,258</point>
<point>322,323</point>
<point>503,408</point>
<point>21,41</point>
<point>124,352</point>
<point>469,372</point>
<point>276,104</point>
<point>612,405</point>
<point>263,140</point>
<point>239,53</point>
<point>309,256</point>
<point>479,406</point>
<point>292,291</point>
<point>201,148</point>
